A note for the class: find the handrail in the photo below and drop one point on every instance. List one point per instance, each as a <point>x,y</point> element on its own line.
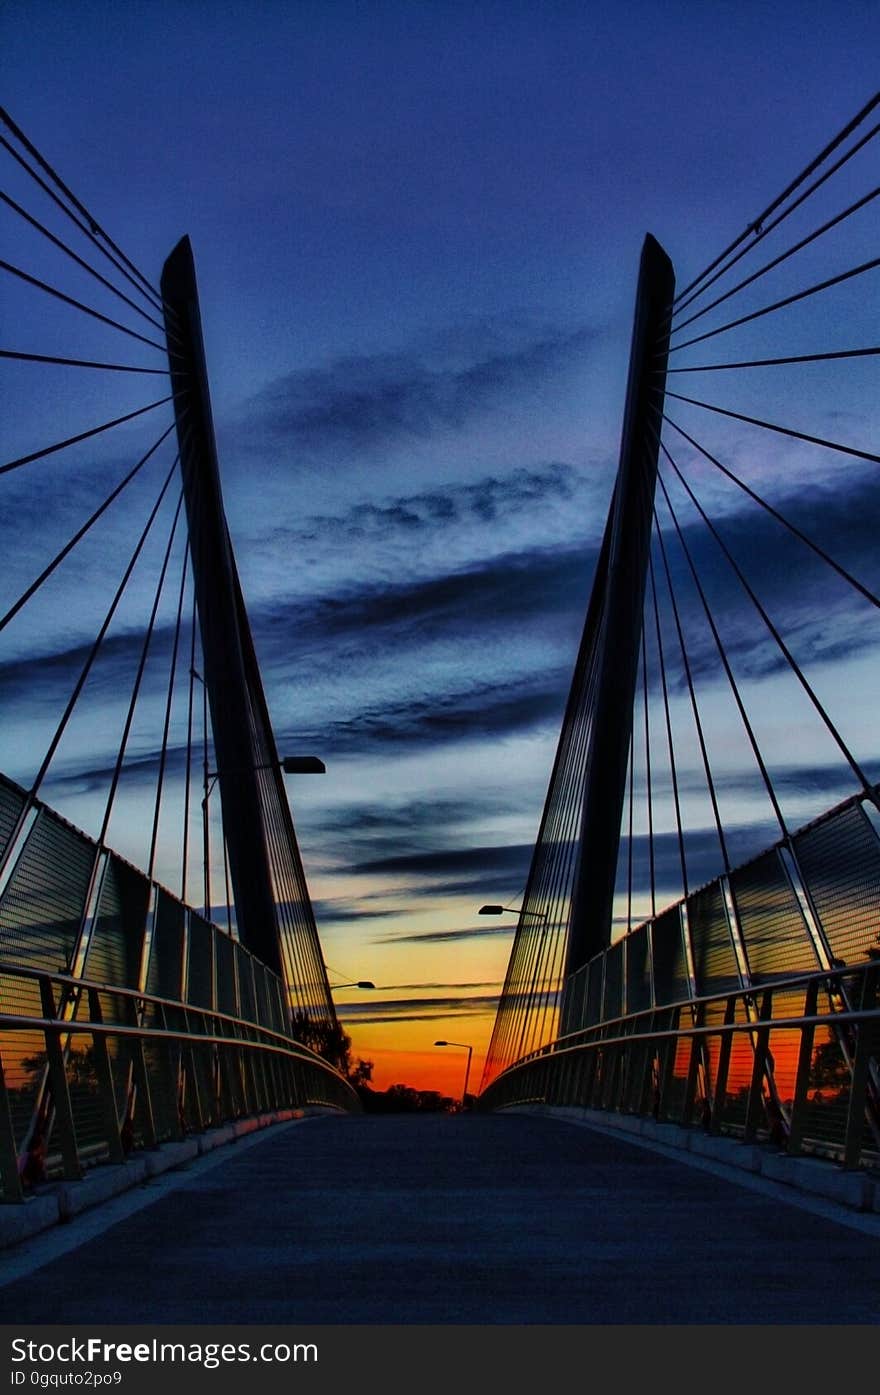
<point>95,985</point>
<point>209,1067</point>
<point>633,1064</point>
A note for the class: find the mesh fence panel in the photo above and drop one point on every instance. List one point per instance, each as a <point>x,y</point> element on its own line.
<point>670,964</point>
<point>227,990</point>
<point>715,967</point>
<point>638,970</point>
<point>200,962</point>
<point>739,1075</point>
<point>246,995</point>
<point>117,939</point>
<point>24,1063</point>
<point>11,805</point>
<point>165,972</point>
<point>595,970</point>
<point>42,907</point>
<point>613,987</point>
<point>774,930</point>
<point>840,862</point>
<point>262,993</point>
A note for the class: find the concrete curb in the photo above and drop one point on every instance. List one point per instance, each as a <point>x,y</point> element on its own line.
<point>61,1201</point>
<point>857,1191</point>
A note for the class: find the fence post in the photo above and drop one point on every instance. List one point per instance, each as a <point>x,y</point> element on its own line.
<point>59,1087</point>
<point>802,1078</point>
<point>104,1072</point>
<point>759,1066</point>
<point>866,1043</point>
<point>12,1188</point>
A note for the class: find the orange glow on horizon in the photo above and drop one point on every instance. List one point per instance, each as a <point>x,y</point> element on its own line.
<point>437,1068</point>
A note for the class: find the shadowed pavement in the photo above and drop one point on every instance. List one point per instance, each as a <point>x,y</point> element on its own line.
<point>466,1219</point>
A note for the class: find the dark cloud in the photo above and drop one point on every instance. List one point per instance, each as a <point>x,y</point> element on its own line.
<point>339,912</point>
<point>504,593</point>
<point>416,1009</point>
<point>523,610</point>
<point>440,937</point>
<point>486,861</point>
<point>363,402</point>
<point>488,500</point>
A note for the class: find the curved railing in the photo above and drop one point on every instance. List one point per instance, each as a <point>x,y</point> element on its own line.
<point>102,1071</point>
<point>792,1062</point>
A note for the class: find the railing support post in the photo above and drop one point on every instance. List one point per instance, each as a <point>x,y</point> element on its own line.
<point>802,1078</point>
<point>725,1045</point>
<point>866,1046</point>
<point>12,1188</point>
<point>760,1042</point>
<point>59,1088</point>
<point>104,1073</point>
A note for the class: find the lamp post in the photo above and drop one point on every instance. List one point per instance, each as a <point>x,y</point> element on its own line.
<point>513,910</point>
<point>361,983</point>
<point>470,1052</point>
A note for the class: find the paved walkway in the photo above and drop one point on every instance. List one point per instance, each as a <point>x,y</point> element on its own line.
<point>467,1219</point>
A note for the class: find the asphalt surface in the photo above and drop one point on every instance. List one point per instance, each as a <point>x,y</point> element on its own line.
<point>465,1219</point>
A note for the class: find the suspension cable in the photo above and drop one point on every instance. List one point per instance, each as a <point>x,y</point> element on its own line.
<point>105,625</point>
<point>80,533</point>
<point>780,430</point>
<point>166,725</point>
<point>135,693</point>
<point>793,299</point>
<point>783,647</point>
<point>81,363</point>
<point>83,436</point>
<point>80,261</point>
<point>97,230</point>
<point>757,223</point>
<point>780,517</point>
<point>693,697</point>
<point>84,228</point>
<point>766,228</point>
<point>189,753</point>
<point>672,765</point>
<point>782,257</point>
<point>773,362</point>
<point>648,773</point>
<point>53,291</point>
<point>722,653</point>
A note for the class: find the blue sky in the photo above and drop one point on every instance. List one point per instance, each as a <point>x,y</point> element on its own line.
<point>416,230</point>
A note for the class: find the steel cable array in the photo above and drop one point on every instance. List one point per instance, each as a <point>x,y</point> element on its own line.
<point>115,740</point>
<point>760,532</point>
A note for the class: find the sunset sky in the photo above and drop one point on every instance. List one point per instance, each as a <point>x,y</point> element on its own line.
<point>417,229</point>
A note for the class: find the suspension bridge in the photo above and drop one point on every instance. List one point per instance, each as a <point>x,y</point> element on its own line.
<point>697,953</point>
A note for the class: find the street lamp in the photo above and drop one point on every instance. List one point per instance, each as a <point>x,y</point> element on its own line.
<point>514,910</point>
<point>291,765</point>
<point>361,983</point>
<point>470,1052</point>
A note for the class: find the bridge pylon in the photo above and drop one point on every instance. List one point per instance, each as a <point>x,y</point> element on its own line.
<point>273,911</point>
<point>614,628</point>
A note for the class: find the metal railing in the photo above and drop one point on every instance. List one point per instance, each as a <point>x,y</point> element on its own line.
<point>103,1071</point>
<point>793,1062</point>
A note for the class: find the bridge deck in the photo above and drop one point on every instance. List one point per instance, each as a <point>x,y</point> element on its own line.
<point>436,1219</point>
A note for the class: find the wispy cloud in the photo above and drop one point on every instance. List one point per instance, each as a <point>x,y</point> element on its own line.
<point>442,937</point>
<point>362,402</point>
<point>417,1009</point>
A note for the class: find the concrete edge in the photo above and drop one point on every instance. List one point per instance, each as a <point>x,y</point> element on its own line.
<point>58,1202</point>
<point>857,1191</point>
